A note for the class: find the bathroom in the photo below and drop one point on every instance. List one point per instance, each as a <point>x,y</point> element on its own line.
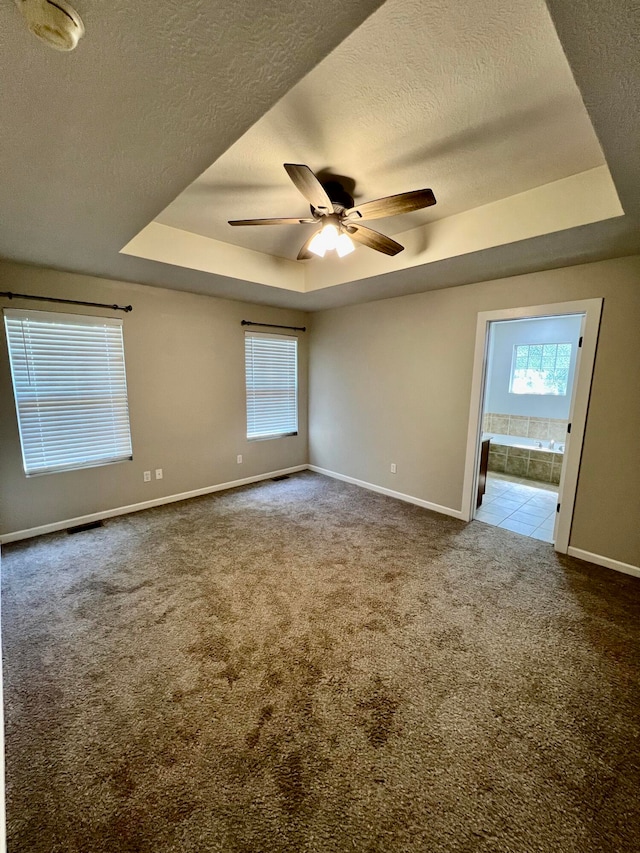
<point>528,386</point>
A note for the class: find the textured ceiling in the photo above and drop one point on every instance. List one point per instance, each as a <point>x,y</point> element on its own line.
<point>93,144</point>
<point>424,93</point>
<point>97,143</point>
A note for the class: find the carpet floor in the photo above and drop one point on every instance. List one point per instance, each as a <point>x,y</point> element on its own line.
<point>307,666</point>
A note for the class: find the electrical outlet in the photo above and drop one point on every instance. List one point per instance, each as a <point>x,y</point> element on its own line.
<point>393,468</point>
<point>158,473</point>
<point>147,476</point>
<point>239,458</point>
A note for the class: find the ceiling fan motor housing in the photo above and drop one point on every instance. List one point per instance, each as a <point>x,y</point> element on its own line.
<point>338,195</point>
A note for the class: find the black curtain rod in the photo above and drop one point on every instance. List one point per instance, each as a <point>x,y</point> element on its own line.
<point>10,295</point>
<point>274,326</point>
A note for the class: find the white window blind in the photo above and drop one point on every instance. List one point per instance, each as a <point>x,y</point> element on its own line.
<point>271,368</point>
<point>70,389</point>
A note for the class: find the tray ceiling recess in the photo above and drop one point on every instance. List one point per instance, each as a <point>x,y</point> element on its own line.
<point>475,100</point>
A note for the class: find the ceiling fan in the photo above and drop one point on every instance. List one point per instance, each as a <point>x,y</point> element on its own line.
<point>333,208</point>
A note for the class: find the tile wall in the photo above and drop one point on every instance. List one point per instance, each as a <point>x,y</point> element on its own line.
<point>542,429</point>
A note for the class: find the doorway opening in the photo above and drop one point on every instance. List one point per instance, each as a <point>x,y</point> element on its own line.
<point>530,368</point>
<point>532,378</point>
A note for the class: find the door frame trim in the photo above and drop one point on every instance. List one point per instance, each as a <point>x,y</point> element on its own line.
<point>592,310</point>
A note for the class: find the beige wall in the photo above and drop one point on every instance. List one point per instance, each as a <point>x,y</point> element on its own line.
<point>390,381</point>
<point>185,372</point>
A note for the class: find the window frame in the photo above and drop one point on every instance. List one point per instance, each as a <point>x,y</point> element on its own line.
<point>556,345</point>
<point>250,407</point>
<point>114,427</point>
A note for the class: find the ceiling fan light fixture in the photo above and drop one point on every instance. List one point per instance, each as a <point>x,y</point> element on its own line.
<point>332,208</point>
<point>329,236</point>
<point>317,245</point>
<point>344,245</point>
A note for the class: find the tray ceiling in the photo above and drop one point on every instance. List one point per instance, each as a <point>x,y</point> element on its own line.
<point>171,118</point>
<point>474,99</point>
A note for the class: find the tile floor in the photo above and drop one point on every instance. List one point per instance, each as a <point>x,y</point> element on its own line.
<point>519,505</point>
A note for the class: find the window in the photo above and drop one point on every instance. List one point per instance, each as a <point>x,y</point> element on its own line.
<point>540,369</point>
<point>271,368</point>
<point>70,389</point>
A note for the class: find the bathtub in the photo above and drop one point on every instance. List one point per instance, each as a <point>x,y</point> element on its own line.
<point>523,443</point>
<point>522,457</point>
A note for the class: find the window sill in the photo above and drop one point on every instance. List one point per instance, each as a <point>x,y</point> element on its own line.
<point>269,437</point>
<point>83,467</point>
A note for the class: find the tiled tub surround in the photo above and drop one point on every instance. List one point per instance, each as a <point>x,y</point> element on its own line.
<point>543,429</point>
<point>521,458</point>
<point>532,463</point>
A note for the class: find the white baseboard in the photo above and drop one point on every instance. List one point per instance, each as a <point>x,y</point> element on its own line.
<point>17,535</point>
<point>124,510</point>
<point>607,562</point>
<point>444,510</point>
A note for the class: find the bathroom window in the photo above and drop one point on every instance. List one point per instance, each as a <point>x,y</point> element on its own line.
<point>540,369</point>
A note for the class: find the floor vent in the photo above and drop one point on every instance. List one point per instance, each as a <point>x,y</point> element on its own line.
<point>82,527</point>
<point>281,477</point>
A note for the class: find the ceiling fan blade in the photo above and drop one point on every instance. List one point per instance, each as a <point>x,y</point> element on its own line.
<point>272,221</point>
<point>391,205</point>
<point>374,240</point>
<point>310,187</point>
<point>304,254</point>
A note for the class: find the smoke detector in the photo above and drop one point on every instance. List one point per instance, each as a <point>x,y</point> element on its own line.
<point>53,21</point>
